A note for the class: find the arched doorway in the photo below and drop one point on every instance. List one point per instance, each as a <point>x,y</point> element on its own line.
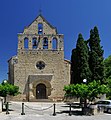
<point>41,91</point>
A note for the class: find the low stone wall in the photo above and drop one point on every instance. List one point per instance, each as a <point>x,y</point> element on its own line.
<point>71,99</point>
<point>19,97</point>
<point>1,103</point>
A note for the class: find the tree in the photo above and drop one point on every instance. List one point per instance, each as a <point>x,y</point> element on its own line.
<point>96,56</point>
<point>87,59</point>
<point>108,81</point>
<point>79,60</point>
<point>107,66</point>
<point>74,72</point>
<point>8,89</point>
<point>86,91</point>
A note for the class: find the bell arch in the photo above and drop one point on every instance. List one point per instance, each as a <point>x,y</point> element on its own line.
<point>26,43</point>
<point>54,43</point>
<point>34,43</point>
<point>45,43</point>
<point>40,28</point>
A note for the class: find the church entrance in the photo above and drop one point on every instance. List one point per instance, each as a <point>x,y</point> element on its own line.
<point>41,91</point>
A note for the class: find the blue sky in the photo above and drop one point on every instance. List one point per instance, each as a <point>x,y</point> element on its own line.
<point>71,17</point>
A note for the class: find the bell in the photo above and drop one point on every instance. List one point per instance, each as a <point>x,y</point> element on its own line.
<point>34,44</point>
<point>45,44</point>
<point>40,30</point>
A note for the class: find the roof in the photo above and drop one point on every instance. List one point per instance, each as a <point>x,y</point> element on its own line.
<point>43,20</point>
<point>12,58</point>
<point>68,61</point>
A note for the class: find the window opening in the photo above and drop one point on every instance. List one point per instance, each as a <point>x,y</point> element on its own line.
<point>54,44</point>
<point>45,43</point>
<point>34,43</point>
<point>40,65</point>
<point>40,28</point>
<point>26,43</point>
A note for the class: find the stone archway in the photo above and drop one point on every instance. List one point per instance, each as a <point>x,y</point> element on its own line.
<point>41,91</point>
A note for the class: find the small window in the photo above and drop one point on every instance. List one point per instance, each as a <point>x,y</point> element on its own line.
<point>54,44</point>
<point>40,65</point>
<point>26,43</point>
<point>45,43</point>
<point>40,28</point>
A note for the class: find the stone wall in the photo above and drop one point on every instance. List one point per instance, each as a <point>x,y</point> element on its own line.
<point>55,65</point>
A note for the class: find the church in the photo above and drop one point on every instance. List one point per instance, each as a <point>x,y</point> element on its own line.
<point>39,68</point>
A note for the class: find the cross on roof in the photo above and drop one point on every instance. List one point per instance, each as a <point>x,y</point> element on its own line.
<point>40,11</point>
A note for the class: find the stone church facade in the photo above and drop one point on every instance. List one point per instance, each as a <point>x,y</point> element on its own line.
<point>39,68</point>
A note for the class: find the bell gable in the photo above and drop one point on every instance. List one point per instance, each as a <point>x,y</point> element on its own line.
<point>40,26</point>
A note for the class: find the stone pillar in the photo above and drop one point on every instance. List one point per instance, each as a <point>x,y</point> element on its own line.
<point>20,42</point>
<point>50,43</point>
<point>0,105</point>
<point>40,43</point>
<point>30,43</point>
<point>60,42</point>
<point>31,96</point>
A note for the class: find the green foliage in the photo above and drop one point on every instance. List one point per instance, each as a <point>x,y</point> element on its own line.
<point>8,89</point>
<point>74,67</point>
<point>96,56</point>
<point>109,86</point>
<point>86,91</point>
<point>87,59</point>
<point>79,62</point>
<point>107,65</point>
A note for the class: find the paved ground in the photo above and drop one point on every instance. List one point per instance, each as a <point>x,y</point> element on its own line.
<point>44,111</point>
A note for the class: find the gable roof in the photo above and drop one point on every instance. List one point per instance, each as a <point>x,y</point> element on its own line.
<point>46,21</point>
<point>68,61</point>
<point>43,20</point>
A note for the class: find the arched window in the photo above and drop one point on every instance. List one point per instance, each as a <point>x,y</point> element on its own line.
<point>45,43</point>
<point>34,43</point>
<point>26,43</point>
<point>40,28</point>
<point>54,44</point>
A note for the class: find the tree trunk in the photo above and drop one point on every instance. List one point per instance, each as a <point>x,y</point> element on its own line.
<point>5,99</point>
<point>84,109</point>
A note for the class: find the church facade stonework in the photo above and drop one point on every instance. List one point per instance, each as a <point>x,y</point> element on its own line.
<point>39,68</point>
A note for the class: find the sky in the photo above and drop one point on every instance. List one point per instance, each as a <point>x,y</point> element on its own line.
<point>70,17</point>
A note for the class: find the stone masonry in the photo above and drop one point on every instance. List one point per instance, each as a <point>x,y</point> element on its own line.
<point>39,68</point>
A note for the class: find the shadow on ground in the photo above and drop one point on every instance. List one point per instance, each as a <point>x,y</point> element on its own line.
<point>73,112</point>
<point>77,113</point>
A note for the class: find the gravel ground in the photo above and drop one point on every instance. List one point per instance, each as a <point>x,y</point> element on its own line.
<point>44,111</point>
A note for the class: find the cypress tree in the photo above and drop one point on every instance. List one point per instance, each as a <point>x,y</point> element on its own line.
<point>74,72</point>
<point>79,59</point>
<point>96,56</point>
